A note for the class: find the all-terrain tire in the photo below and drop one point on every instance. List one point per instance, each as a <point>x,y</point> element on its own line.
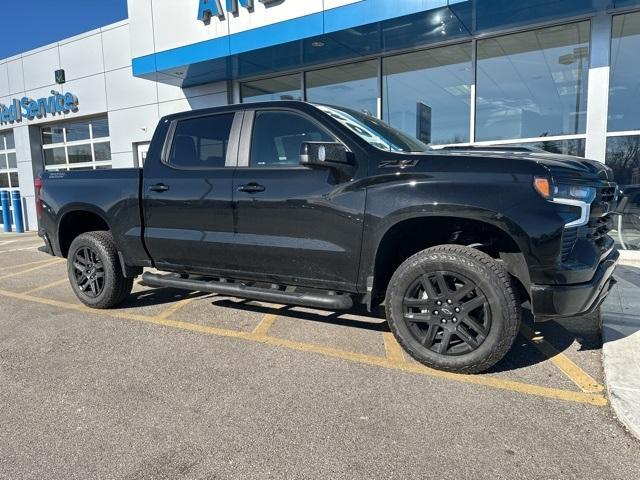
<point>494,285</point>
<point>115,287</point>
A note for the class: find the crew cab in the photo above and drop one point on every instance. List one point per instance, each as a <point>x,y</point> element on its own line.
<point>304,204</point>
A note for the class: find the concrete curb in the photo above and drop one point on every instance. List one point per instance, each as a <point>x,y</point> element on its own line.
<point>621,346</point>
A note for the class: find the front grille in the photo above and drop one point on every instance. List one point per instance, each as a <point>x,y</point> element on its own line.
<point>595,232</point>
<point>606,201</point>
<point>598,228</point>
<point>569,238</point>
<point>606,194</point>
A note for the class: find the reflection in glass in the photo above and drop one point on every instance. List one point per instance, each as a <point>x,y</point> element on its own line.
<point>533,84</point>
<point>573,147</point>
<point>4,180</point>
<point>627,231</point>
<point>9,141</point>
<point>352,86</point>
<point>623,156</point>
<point>3,161</point>
<point>100,127</point>
<point>279,88</point>
<point>77,131</point>
<point>102,151</point>
<point>278,137</point>
<point>624,101</point>
<point>375,131</point>
<point>13,176</point>
<point>12,161</point>
<point>427,94</point>
<point>55,156</point>
<point>53,134</point>
<point>79,153</point>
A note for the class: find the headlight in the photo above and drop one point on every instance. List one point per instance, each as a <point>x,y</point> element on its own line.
<point>560,191</point>
<point>574,192</point>
<point>566,194</point>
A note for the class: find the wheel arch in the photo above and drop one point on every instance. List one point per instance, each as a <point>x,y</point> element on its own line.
<point>395,244</point>
<point>76,220</point>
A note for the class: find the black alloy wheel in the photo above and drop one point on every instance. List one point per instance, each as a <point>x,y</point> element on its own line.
<point>88,272</point>
<point>447,313</point>
<point>453,308</point>
<point>95,272</point>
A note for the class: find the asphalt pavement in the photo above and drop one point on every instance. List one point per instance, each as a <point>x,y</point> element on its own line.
<point>186,386</point>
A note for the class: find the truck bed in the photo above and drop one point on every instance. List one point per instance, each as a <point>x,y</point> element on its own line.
<point>112,194</point>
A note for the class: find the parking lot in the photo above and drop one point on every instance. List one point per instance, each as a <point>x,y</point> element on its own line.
<point>187,385</point>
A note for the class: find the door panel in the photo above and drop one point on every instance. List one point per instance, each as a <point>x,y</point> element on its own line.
<point>188,209</point>
<point>295,224</point>
<point>303,225</point>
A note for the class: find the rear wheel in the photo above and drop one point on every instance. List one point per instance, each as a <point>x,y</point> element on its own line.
<point>453,308</point>
<point>94,271</point>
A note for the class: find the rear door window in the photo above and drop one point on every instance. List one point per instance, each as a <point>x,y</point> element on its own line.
<point>202,142</point>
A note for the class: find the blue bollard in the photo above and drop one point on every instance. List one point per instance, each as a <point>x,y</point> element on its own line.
<point>6,212</point>
<point>17,211</point>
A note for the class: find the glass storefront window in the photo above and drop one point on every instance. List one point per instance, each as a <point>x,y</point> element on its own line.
<point>79,145</point>
<point>533,84</point>
<point>12,160</point>
<point>100,127</point>
<point>8,161</point>
<point>77,131</point>
<point>8,139</point>
<point>79,153</point>
<point>427,94</point>
<point>287,87</point>
<point>624,101</point>
<point>102,151</point>
<point>575,147</point>
<point>51,135</point>
<point>623,156</point>
<point>352,86</point>
<point>55,156</point>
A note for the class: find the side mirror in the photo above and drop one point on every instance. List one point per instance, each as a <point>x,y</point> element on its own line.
<point>324,155</point>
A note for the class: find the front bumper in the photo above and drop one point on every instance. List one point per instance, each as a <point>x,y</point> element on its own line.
<point>556,301</point>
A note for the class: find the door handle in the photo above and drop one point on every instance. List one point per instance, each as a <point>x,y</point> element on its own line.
<point>251,188</point>
<point>159,187</point>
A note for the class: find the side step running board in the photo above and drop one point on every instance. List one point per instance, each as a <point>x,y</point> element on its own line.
<point>314,300</point>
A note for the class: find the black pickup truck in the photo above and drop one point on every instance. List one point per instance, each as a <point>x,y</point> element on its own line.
<point>313,205</point>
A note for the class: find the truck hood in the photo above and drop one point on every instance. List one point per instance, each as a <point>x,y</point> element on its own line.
<point>558,166</point>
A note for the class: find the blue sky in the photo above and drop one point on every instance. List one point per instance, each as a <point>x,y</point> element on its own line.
<point>28,24</point>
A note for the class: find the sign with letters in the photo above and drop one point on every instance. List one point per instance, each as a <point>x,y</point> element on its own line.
<point>213,8</point>
<point>30,109</point>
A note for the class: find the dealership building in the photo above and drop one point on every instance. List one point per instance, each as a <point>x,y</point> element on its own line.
<point>560,75</point>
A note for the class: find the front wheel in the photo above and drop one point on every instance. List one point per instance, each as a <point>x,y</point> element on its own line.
<point>94,271</point>
<point>453,308</point>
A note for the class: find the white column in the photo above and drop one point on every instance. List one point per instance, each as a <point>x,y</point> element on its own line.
<point>598,90</point>
<point>29,159</point>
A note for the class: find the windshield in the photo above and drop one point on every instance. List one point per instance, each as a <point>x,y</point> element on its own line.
<point>375,131</point>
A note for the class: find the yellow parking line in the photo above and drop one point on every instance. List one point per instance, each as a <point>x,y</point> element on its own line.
<point>582,379</point>
<point>48,285</point>
<point>21,249</point>
<point>37,262</point>
<point>514,386</point>
<point>265,325</point>
<point>176,306</point>
<point>31,269</point>
<point>394,351</point>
